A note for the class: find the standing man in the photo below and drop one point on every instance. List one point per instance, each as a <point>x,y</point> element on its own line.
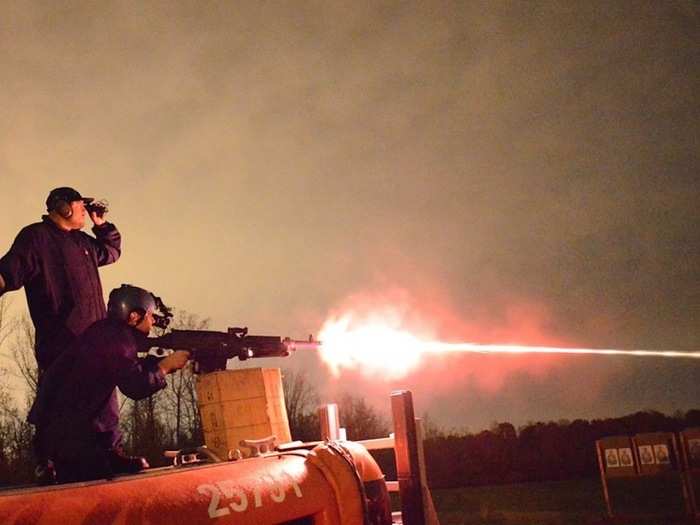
<point>76,405</point>
<point>57,265</point>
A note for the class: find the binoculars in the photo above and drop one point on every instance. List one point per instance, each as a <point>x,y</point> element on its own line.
<point>97,207</point>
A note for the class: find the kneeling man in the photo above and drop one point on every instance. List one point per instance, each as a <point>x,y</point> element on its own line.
<point>76,409</point>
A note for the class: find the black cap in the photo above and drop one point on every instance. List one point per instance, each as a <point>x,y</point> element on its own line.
<point>64,194</point>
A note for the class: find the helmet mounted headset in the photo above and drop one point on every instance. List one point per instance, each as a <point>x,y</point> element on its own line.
<point>128,298</point>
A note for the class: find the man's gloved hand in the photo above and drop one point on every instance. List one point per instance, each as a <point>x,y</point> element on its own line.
<point>98,220</point>
<point>174,361</point>
<point>96,210</point>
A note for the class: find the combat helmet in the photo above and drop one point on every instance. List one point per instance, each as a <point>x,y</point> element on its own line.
<point>128,298</point>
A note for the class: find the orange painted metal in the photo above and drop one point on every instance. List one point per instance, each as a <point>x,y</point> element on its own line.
<point>256,491</point>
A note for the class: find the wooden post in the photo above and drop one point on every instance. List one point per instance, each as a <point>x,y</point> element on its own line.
<point>430,514</point>
<point>407,458</point>
<point>330,422</point>
<point>692,464</point>
<point>686,481</point>
<point>603,479</point>
<point>688,474</point>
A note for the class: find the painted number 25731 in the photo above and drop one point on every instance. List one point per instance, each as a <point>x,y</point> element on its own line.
<point>227,496</point>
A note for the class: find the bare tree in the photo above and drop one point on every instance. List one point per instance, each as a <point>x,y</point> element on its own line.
<point>17,339</point>
<point>144,430</point>
<point>299,396</point>
<point>17,336</point>
<point>170,418</point>
<point>361,420</point>
<point>180,397</point>
<point>4,319</point>
<point>15,442</point>
<point>431,429</point>
<point>23,353</point>
<point>301,401</point>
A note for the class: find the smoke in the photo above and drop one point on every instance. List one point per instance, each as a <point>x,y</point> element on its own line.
<point>266,160</point>
<point>379,335</point>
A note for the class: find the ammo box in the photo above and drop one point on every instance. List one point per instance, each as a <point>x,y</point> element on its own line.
<point>241,404</point>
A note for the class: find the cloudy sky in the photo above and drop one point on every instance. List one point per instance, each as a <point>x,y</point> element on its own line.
<point>502,171</point>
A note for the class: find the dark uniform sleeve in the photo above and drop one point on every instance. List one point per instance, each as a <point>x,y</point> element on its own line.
<point>107,243</point>
<point>140,378</point>
<point>20,264</point>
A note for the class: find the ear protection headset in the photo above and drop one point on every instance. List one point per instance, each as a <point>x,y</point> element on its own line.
<point>60,200</point>
<point>63,208</point>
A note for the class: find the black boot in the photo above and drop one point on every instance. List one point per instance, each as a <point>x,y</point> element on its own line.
<point>120,463</point>
<point>44,473</point>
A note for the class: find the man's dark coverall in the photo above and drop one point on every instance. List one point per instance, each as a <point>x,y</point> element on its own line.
<point>77,406</point>
<point>58,270</point>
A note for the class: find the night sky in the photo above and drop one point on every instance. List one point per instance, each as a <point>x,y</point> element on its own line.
<point>503,171</point>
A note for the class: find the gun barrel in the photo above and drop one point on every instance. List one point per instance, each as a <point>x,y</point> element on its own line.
<point>293,344</point>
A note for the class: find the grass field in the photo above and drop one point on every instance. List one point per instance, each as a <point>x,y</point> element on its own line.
<point>577,502</point>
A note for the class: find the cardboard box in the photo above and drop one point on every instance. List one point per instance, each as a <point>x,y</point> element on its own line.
<point>241,404</point>
<point>231,385</point>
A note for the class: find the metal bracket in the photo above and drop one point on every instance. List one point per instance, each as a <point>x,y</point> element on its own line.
<point>259,446</point>
<point>191,456</point>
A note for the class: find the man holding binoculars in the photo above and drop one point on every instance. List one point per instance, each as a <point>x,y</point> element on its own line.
<point>57,264</point>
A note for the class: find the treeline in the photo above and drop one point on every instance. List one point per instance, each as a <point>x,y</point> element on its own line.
<point>16,341</point>
<point>536,452</point>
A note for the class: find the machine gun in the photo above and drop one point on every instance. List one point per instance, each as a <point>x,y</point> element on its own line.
<point>210,350</point>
